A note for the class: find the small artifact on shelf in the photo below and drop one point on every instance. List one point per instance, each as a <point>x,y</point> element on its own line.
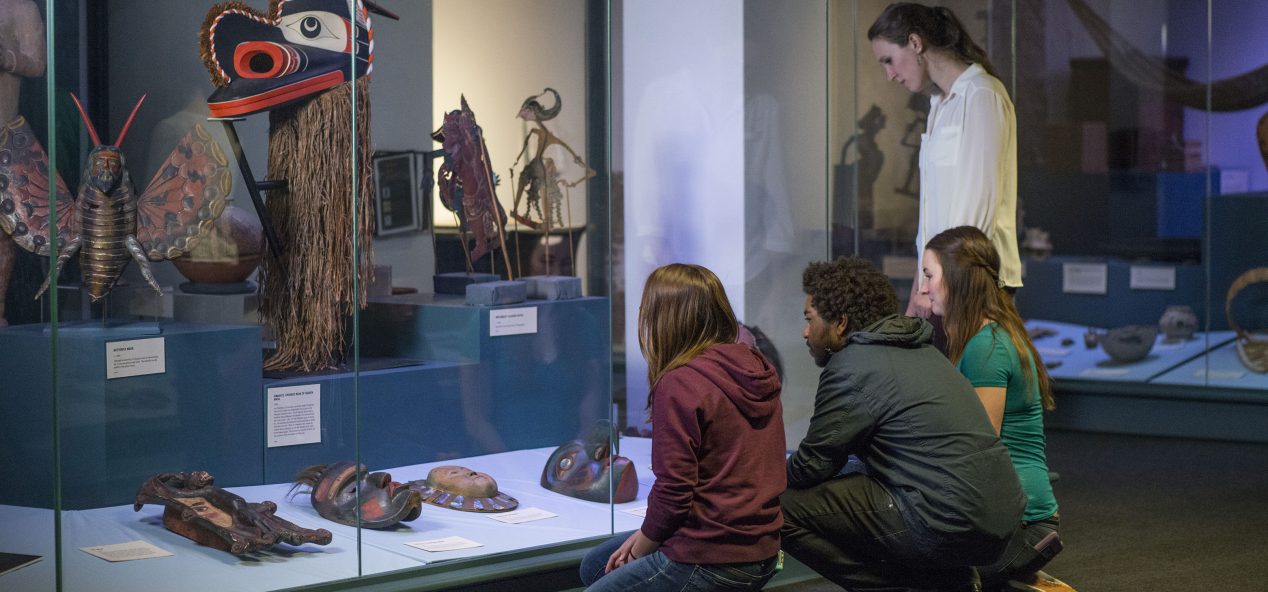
<point>1036,244</point>
<point>1091,338</point>
<point>585,468</point>
<point>1130,343</point>
<point>462,489</point>
<point>333,490</point>
<point>222,262</point>
<point>1178,323</point>
<point>1252,348</point>
<point>208,515</point>
<point>1067,341</point>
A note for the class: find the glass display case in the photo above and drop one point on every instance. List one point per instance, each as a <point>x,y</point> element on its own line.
<point>311,248</point>
<point>315,277</point>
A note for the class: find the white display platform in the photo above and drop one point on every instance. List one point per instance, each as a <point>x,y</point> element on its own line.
<point>197,568</point>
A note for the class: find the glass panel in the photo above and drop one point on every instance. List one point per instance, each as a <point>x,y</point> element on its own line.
<point>29,446</point>
<point>793,79</point>
<point>264,299</point>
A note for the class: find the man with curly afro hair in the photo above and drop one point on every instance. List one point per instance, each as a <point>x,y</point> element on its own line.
<point>937,493</point>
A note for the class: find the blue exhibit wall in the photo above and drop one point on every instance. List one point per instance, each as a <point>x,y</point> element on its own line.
<point>463,393</point>
<point>1232,246</point>
<point>471,393</point>
<point>116,433</point>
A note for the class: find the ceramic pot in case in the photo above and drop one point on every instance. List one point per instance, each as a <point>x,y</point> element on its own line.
<point>1178,323</point>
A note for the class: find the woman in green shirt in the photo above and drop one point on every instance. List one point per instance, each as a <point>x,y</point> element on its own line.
<point>987,341</point>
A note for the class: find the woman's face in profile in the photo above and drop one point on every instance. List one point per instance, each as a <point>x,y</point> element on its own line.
<point>900,64</point>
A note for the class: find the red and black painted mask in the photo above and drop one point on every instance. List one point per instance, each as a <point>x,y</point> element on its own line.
<point>586,468</point>
<point>300,48</point>
<point>384,502</point>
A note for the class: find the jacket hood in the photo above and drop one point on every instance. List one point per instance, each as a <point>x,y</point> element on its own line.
<point>895,330</point>
<point>744,375</point>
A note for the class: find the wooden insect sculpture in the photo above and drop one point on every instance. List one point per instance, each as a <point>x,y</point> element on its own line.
<point>109,223</point>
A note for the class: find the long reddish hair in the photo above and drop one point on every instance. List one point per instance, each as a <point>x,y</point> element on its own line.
<point>684,311</point>
<point>970,273</point>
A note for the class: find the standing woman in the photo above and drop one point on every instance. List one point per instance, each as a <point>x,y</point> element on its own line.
<point>987,341</point>
<point>968,153</point>
<point>713,516</point>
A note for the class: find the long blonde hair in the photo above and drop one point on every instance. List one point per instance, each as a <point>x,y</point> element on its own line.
<point>684,311</point>
<point>970,272</point>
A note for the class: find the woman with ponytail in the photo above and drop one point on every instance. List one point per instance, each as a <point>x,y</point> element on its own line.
<point>968,153</point>
<point>987,341</point>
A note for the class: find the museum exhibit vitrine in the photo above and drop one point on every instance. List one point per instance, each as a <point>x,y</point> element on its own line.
<point>391,274</point>
<point>298,403</point>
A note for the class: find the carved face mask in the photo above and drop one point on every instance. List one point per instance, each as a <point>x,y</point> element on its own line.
<point>460,488</point>
<point>584,469</point>
<point>384,502</point>
<point>261,61</point>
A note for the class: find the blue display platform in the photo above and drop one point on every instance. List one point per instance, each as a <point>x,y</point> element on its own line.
<point>115,432</point>
<point>350,553</point>
<point>1218,368</point>
<point>1166,394</point>
<point>408,415</point>
<point>542,368</point>
<point>1079,362</point>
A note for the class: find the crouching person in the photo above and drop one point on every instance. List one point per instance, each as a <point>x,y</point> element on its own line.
<point>937,493</point>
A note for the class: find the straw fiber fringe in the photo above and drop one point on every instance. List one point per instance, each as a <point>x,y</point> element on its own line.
<point>306,297</point>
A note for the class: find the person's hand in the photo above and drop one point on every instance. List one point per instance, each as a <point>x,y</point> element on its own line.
<point>633,548</point>
<point>919,305</point>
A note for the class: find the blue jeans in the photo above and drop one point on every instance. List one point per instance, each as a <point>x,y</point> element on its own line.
<point>655,572</point>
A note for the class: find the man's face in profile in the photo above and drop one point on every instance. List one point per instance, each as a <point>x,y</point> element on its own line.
<point>822,337</point>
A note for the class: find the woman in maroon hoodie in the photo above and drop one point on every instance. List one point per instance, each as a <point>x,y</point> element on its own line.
<point>713,515</point>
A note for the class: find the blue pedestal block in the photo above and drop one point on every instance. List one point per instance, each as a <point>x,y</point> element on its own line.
<point>408,415</point>
<point>117,432</point>
<point>527,390</point>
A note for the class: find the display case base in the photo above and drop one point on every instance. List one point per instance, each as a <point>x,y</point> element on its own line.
<point>116,432</point>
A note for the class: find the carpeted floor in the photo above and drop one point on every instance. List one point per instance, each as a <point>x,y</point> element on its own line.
<point>1155,514</point>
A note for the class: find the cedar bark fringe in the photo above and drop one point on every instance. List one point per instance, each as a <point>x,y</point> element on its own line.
<point>306,296</point>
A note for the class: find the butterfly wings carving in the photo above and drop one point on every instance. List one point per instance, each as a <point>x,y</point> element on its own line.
<point>24,190</point>
<point>109,222</point>
<point>186,195</point>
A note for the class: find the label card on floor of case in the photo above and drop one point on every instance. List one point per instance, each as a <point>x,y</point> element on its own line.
<point>523,515</point>
<point>294,415</point>
<point>452,543</point>
<point>642,512</point>
<point>126,551</point>
<point>136,357</point>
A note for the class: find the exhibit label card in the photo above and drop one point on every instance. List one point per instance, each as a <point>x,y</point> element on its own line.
<point>1152,277</point>
<point>135,357</point>
<point>637,511</point>
<point>1084,278</point>
<point>523,515</point>
<point>294,415</point>
<point>12,561</point>
<point>1220,374</point>
<point>512,321</point>
<point>126,551</point>
<point>452,543</point>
